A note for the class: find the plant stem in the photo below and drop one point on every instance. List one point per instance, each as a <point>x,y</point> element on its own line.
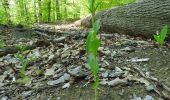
<point>96,88</point>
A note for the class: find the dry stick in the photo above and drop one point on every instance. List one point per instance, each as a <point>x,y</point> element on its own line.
<point>162,93</point>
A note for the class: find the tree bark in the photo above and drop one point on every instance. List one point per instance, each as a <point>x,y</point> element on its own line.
<point>142,18</point>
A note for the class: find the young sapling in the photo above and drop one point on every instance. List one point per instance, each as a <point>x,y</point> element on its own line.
<point>24,63</point>
<point>92,44</point>
<point>160,38</point>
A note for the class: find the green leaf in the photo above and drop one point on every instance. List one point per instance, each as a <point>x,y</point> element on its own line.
<point>93,63</point>
<point>163,33</point>
<point>94,45</point>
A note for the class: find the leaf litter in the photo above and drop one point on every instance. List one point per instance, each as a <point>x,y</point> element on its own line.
<point>125,61</point>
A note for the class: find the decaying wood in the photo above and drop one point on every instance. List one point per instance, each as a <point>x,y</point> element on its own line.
<point>14,49</point>
<point>142,18</point>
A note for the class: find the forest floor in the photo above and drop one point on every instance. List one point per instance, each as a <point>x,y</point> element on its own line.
<point>131,68</point>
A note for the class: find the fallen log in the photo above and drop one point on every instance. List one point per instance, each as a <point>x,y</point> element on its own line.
<point>142,18</point>
<point>13,49</point>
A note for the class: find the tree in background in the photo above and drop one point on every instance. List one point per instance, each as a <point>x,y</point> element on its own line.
<point>5,4</point>
<point>58,14</point>
<point>49,10</point>
<point>39,11</point>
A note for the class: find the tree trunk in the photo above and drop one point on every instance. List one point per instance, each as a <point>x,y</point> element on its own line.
<point>5,4</point>
<point>39,11</point>
<point>35,11</point>
<point>58,14</point>
<point>143,18</point>
<point>49,10</point>
<point>65,9</point>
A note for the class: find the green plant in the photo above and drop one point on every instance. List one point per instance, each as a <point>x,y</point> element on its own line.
<point>2,44</point>
<point>160,38</point>
<point>92,44</point>
<point>24,63</point>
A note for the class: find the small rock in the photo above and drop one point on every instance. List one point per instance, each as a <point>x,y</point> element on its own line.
<point>62,79</point>
<point>67,85</point>
<point>117,69</point>
<point>113,53</point>
<point>75,71</point>
<point>11,59</point>
<point>2,77</point>
<point>148,98</point>
<point>51,57</point>
<point>105,74</point>
<point>107,52</point>
<point>117,72</point>
<point>150,87</point>
<point>35,53</point>
<point>26,93</point>
<point>4,98</point>
<point>58,98</point>
<point>50,72</point>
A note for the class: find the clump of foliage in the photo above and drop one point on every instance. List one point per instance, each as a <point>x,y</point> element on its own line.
<point>24,63</point>
<point>160,38</point>
<point>92,44</point>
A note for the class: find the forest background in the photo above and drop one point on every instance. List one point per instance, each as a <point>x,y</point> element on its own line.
<point>27,12</point>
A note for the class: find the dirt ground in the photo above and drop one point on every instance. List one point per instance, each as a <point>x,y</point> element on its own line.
<point>131,68</point>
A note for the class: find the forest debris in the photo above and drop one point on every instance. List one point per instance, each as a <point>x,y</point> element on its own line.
<point>135,60</point>
<point>61,39</point>
<point>105,74</point>
<point>128,49</point>
<point>114,82</point>
<point>75,71</point>
<point>26,93</point>
<point>35,53</point>
<point>62,79</point>
<point>51,57</point>
<point>148,97</point>
<point>2,78</point>
<point>107,35</point>
<point>67,85</point>
<point>151,87</point>
<point>50,72</point>
<point>116,73</point>
<point>4,98</point>
<point>42,34</point>
<point>144,75</point>
<point>14,49</point>
<point>10,59</point>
